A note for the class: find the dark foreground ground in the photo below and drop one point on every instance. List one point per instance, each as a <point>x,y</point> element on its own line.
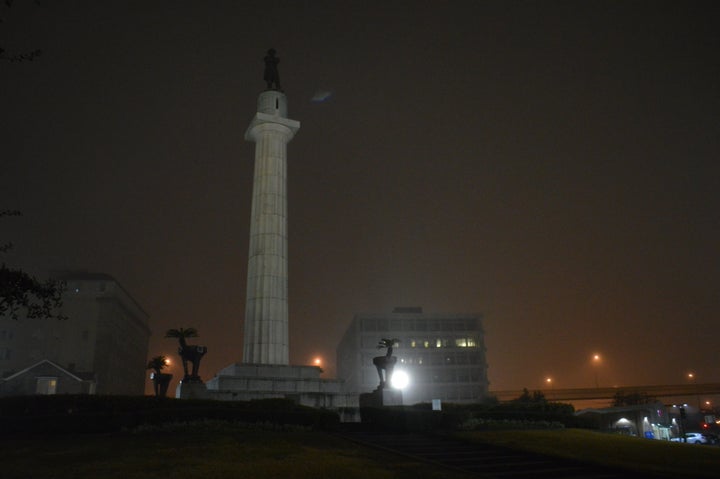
<point>216,450</point>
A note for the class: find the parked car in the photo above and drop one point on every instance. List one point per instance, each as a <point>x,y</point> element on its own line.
<point>711,438</point>
<point>691,438</point>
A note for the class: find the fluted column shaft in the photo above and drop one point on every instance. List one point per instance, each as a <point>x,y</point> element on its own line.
<point>266,310</point>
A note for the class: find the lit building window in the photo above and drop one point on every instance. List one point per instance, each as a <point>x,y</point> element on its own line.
<point>46,386</point>
<point>465,343</point>
<point>413,343</point>
<point>426,344</point>
<point>438,343</point>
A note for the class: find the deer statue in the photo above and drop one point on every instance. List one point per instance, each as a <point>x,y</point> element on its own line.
<point>188,352</point>
<point>385,363</point>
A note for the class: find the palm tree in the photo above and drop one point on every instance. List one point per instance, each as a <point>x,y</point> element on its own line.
<point>158,363</point>
<point>160,379</point>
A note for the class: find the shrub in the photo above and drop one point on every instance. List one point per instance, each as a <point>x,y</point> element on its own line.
<point>516,414</point>
<point>85,413</point>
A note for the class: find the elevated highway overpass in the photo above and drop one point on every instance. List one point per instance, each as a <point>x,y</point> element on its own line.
<point>664,393</point>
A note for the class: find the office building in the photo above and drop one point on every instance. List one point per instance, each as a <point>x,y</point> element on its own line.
<point>443,354</point>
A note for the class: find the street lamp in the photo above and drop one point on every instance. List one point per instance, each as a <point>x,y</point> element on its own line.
<point>399,379</point>
<point>691,377</point>
<point>317,361</point>
<point>596,365</point>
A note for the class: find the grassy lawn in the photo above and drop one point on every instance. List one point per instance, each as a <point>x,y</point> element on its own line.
<point>210,454</point>
<point>681,460</point>
<point>218,451</point>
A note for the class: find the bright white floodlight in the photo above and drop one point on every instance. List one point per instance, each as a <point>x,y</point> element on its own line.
<point>400,380</point>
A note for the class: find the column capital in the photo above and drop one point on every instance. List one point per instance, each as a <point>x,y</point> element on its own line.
<point>264,122</point>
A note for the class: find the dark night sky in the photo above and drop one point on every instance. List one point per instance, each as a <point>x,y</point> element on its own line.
<point>553,165</point>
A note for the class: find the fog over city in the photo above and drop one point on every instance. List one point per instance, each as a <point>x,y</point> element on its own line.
<point>551,165</point>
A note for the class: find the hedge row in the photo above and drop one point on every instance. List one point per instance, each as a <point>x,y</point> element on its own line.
<point>95,414</point>
<point>421,417</point>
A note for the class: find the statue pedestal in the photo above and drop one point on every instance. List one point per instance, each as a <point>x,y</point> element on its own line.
<point>193,389</point>
<point>161,382</point>
<point>302,384</point>
<point>381,398</point>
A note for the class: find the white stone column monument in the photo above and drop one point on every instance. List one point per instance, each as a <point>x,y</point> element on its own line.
<point>266,309</point>
<point>265,371</point>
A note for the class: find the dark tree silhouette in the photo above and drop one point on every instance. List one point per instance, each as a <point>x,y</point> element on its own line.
<point>22,294</point>
<point>160,380</point>
<point>157,364</point>
<point>15,57</point>
<point>537,397</point>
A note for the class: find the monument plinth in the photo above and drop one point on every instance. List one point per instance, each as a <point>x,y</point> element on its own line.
<point>191,389</point>
<point>382,398</point>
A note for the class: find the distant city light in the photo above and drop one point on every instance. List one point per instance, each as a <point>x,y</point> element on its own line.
<point>400,380</point>
<point>317,362</point>
<point>596,364</point>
